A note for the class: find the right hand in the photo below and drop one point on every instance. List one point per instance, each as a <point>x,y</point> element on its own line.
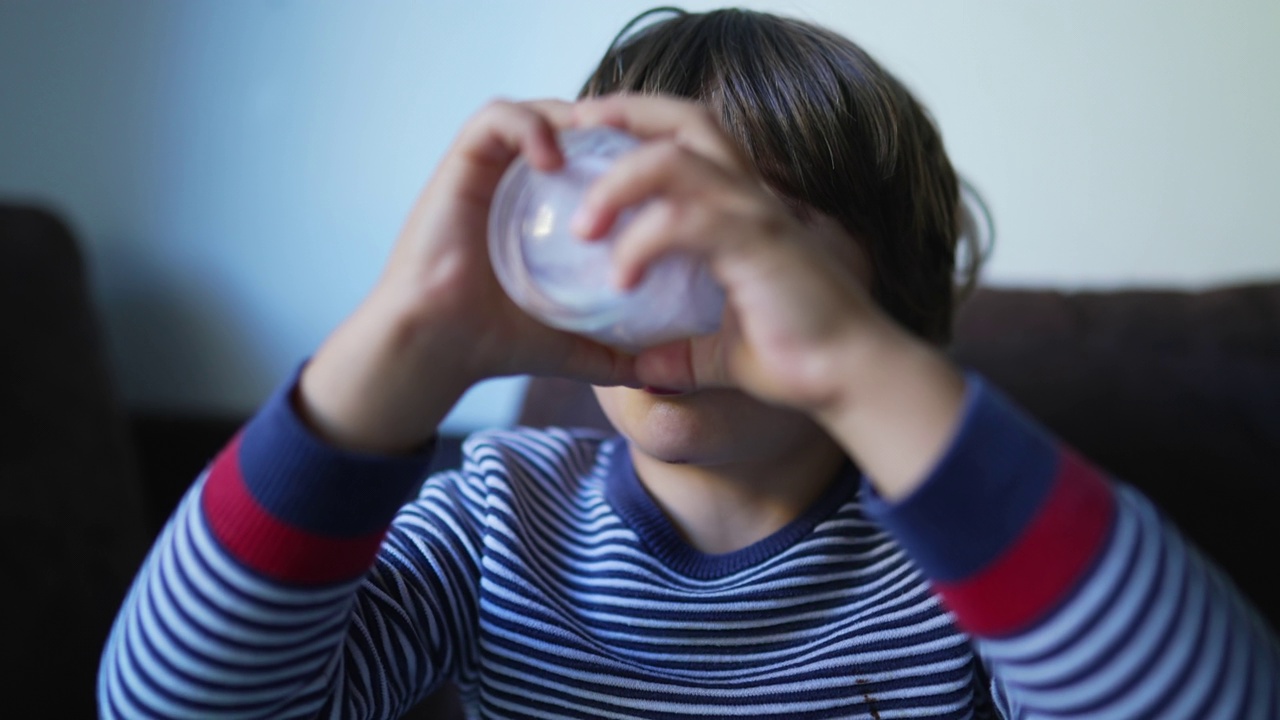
<point>438,321</point>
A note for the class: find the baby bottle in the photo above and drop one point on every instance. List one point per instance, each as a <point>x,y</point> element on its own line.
<point>565,281</point>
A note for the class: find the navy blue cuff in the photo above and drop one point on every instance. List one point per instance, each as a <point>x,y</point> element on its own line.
<point>975,503</point>
<point>301,480</point>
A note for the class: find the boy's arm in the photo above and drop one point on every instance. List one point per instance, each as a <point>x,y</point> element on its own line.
<point>250,598</point>
<point>262,596</point>
<point>1040,557</point>
<point>1083,600</point>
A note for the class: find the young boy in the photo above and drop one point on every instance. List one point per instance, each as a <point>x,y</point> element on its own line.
<point>723,555</point>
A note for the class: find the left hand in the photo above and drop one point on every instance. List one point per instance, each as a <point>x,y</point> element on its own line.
<point>796,304</point>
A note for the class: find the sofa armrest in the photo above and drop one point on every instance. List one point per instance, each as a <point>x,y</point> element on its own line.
<point>70,520</point>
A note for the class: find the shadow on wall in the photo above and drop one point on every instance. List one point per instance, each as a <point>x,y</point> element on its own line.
<point>178,336</point>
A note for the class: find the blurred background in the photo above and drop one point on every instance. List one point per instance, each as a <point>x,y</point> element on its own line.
<point>223,181</point>
<point>236,172</point>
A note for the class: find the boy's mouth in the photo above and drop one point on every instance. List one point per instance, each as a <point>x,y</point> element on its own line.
<point>661,391</point>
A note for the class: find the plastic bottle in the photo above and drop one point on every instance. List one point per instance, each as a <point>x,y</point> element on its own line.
<point>565,281</point>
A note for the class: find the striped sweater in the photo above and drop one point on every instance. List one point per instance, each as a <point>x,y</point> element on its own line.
<point>296,580</point>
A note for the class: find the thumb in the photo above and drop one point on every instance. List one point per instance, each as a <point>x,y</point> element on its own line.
<point>597,364</point>
<point>689,364</point>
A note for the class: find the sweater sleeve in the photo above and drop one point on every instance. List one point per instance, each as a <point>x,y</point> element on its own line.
<point>1082,600</point>
<point>278,588</point>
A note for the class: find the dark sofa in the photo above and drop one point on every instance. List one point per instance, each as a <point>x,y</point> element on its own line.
<point>1177,392</point>
<point>71,516</point>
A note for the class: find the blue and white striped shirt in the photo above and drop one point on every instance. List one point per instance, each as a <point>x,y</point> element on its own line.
<point>545,582</point>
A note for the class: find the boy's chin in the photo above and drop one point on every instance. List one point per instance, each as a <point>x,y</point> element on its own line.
<point>673,427</point>
<point>666,448</point>
<point>676,438</point>
<point>704,427</point>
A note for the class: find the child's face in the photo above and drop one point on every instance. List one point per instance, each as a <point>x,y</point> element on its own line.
<point>708,427</point>
<point>716,427</point>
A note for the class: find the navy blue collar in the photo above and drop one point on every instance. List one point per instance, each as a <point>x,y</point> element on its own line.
<point>641,513</point>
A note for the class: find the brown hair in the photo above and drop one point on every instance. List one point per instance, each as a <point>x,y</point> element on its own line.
<point>827,128</point>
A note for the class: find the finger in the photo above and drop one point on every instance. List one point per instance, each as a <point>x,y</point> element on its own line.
<point>723,233</point>
<point>559,115</point>
<point>493,138</point>
<point>657,116</point>
<point>558,112</point>
<point>597,364</point>
<point>689,364</point>
<point>659,228</point>
<point>656,169</point>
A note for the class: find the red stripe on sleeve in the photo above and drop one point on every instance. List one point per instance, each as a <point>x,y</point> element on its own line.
<point>1045,563</point>
<point>274,548</point>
